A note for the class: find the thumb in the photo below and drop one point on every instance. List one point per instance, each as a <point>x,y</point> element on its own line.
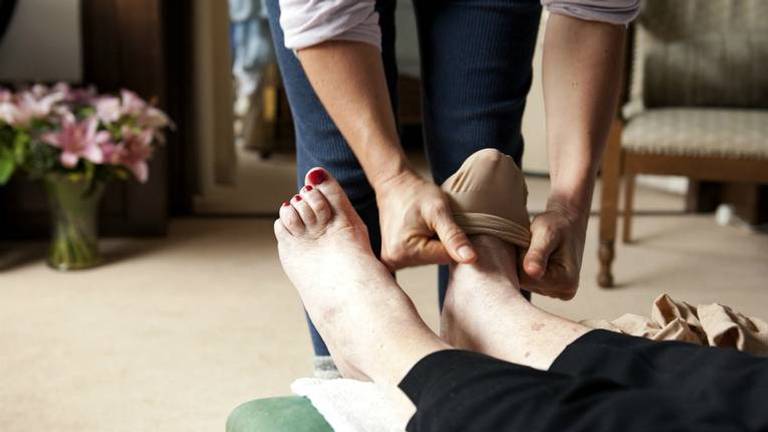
<point>543,243</point>
<point>453,238</point>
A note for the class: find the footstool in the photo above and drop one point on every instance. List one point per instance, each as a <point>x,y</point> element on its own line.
<point>279,414</point>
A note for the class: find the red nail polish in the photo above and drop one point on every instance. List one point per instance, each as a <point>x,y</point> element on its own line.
<point>286,203</point>
<point>297,197</point>
<point>317,176</point>
<point>308,188</point>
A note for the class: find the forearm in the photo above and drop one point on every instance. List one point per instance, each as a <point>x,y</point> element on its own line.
<point>581,76</point>
<point>349,79</point>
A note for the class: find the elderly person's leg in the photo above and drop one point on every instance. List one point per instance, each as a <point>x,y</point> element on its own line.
<point>485,311</point>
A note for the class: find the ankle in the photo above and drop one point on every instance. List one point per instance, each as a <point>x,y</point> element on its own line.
<point>495,268</point>
<point>496,256</point>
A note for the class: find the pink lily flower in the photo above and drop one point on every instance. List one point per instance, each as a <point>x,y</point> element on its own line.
<point>132,103</point>
<point>133,152</point>
<point>153,118</point>
<point>108,109</point>
<point>29,105</point>
<point>78,140</point>
<point>8,112</point>
<point>77,95</point>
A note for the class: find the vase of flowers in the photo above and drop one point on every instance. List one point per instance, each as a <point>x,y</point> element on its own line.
<point>76,141</point>
<point>74,223</point>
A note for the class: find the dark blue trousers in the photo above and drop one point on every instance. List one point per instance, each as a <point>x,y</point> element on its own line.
<point>476,72</point>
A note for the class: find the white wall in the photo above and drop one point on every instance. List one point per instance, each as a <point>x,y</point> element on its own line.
<point>43,42</point>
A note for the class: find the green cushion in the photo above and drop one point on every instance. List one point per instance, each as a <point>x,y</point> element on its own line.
<point>280,414</point>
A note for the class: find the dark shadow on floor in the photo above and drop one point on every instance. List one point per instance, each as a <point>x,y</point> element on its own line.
<point>13,255</point>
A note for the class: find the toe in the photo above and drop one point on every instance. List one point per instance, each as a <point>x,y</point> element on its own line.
<point>291,220</point>
<point>304,210</point>
<point>324,182</point>
<point>280,231</point>
<point>320,206</point>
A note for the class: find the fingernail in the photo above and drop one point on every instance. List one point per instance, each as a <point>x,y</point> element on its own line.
<point>297,197</point>
<point>286,203</point>
<point>466,253</point>
<point>308,188</point>
<point>317,176</point>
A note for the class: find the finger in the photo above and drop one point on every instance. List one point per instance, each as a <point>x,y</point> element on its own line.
<point>454,240</point>
<point>549,287</point>
<point>543,242</point>
<point>428,251</point>
<point>432,252</point>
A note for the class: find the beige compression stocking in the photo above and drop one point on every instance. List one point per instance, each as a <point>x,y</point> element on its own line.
<point>488,196</point>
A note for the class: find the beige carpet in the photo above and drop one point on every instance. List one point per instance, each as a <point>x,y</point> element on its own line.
<point>174,333</point>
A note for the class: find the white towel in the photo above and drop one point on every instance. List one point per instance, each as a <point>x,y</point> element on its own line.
<point>356,406</point>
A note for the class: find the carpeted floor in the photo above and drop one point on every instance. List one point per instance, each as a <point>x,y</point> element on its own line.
<point>173,333</point>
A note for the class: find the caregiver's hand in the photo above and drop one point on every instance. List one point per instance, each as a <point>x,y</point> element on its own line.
<point>552,264</point>
<point>416,224</point>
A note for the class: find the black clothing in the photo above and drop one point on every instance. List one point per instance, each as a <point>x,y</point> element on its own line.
<point>604,381</point>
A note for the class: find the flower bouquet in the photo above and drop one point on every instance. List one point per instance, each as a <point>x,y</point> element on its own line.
<point>76,140</point>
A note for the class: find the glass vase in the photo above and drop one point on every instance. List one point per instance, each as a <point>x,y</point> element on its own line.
<point>74,206</point>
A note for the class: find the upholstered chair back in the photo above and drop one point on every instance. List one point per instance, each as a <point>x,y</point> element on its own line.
<point>700,53</point>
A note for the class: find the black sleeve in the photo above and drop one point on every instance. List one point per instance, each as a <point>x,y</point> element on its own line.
<point>724,377</point>
<point>462,391</point>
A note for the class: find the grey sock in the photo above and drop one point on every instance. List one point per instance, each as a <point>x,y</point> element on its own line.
<point>325,368</point>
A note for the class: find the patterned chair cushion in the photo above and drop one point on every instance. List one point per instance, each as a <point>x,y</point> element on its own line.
<point>730,133</point>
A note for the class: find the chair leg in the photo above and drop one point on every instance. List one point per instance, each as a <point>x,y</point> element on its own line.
<point>609,200</point>
<point>629,198</point>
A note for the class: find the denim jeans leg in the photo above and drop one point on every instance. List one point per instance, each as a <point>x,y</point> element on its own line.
<point>476,71</point>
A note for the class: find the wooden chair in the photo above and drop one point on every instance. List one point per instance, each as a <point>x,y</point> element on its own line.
<point>698,104</point>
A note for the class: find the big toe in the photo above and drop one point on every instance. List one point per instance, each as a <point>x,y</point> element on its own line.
<point>323,181</point>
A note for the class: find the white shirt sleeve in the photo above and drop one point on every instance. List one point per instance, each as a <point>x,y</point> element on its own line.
<point>609,11</point>
<point>310,22</point>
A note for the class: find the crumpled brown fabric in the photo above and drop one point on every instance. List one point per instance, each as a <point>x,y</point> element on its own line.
<point>713,325</point>
<point>488,195</point>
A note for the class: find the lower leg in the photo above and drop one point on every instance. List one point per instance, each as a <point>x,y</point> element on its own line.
<point>484,311</point>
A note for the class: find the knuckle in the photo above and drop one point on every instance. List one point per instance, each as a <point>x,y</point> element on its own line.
<point>453,235</point>
<point>435,209</point>
<point>397,252</point>
<point>550,231</point>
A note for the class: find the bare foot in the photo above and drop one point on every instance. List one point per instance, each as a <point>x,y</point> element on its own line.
<point>368,323</point>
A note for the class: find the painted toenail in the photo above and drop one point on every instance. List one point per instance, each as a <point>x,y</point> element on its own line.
<point>286,203</point>
<point>317,176</point>
<point>297,197</point>
<point>308,188</point>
